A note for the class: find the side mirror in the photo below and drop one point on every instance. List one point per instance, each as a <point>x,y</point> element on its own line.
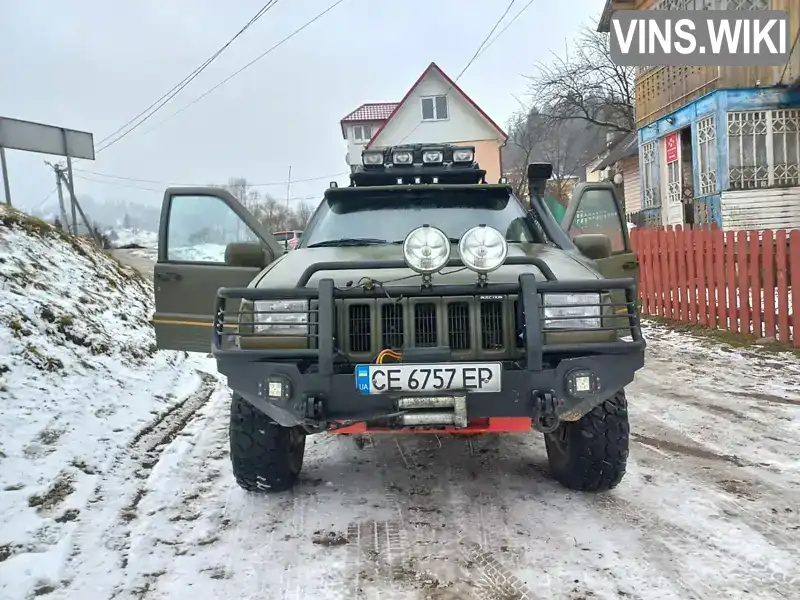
<point>593,245</point>
<point>246,254</point>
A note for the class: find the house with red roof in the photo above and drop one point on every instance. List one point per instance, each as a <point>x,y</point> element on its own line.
<point>434,110</point>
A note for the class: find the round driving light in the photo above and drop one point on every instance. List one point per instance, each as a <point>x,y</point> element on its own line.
<point>426,249</point>
<point>483,249</point>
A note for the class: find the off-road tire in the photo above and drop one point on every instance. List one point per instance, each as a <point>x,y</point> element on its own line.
<point>265,456</point>
<point>591,454</point>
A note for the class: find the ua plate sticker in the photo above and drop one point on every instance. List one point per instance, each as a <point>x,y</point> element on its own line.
<point>362,379</point>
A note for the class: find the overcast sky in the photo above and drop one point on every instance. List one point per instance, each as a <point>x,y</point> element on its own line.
<point>92,65</point>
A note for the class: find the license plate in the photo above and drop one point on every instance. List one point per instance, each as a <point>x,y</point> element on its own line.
<point>467,377</point>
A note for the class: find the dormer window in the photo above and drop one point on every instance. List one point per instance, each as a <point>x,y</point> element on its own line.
<point>434,108</point>
<point>362,133</point>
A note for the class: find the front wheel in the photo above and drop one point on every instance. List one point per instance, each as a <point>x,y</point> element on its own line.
<point>591,454</point>
<point>265,456</point>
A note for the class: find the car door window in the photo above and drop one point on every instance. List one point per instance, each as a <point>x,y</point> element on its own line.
<point>201,227</point>
<point>597,212</point>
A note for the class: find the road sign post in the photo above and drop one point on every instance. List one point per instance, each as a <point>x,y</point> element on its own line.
<point>45,139</point>
<point>4,165</point>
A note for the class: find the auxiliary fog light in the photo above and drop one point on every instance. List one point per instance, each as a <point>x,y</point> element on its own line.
<point>582,382</point>
<point>432,157</point>
<point>372,159</point>
<point>403,157</point>
<point>426,249</point>
<point>277,388</point>
<point>463,155</point>
<point>483,249</point>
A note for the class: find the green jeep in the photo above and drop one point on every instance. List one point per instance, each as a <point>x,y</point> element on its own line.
<point>420,299</point>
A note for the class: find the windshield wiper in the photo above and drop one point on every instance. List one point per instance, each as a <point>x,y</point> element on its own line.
<point>452,241</point>
<point>348,242</point>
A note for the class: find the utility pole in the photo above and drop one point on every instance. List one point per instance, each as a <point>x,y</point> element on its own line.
<point>61,210</point>
<point>6,184</point>
<point>62,178</point>
<point>288,192</point>
<point>70,186</point>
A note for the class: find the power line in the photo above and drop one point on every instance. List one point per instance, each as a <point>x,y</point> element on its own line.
<point>259,57</point>
<point>173,183</point>
<point>486,39</point>
<point>182,84</point>
<point>467,66</point>
<point>45,199</point>
<point>503,30</point>
<point>161,191</point>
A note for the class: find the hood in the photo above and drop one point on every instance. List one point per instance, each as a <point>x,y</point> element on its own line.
<point>286,271</point>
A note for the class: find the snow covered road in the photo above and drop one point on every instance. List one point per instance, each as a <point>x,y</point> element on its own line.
<point>710,507</point>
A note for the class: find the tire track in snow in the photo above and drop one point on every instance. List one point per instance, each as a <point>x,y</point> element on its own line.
<point>434,546</point>
<point>106,522</point>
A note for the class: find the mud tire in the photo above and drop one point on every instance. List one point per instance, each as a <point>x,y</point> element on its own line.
<point>591,454</point>
<point>265,457</point>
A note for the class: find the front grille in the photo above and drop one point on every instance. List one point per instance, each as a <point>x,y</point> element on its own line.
<point>360,328</point>
<point>466,325</point>
<point>425,324</point>
<point>491,325</point>
<point>458,325</point>
<point>392,326</point>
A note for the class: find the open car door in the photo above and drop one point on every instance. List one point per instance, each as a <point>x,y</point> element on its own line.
<point>206,240</point>
<point>595,210</point>
<point>595,221</point>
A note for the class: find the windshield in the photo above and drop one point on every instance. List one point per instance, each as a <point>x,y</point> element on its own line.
<point>389,215</point>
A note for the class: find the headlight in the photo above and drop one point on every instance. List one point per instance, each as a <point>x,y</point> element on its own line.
<point>426,249</point>
<point>280,317</point>
<point>483,249</point>
<point>571,311</point>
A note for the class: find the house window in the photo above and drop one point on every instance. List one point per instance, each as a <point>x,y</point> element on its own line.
<point>707,155</point>
<point>649,175</point>
<point>362,133</point>
<point>434,108</point>
<point>763,148</point>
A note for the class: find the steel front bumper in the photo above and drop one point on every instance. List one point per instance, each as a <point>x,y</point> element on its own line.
<point>325,391</point>
<point>292,398</point>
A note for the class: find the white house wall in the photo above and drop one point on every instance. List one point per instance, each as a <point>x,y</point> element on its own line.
<point>464,122</point>
<point>775,208</point>
<point>354,148</point>
<point>629,168</point>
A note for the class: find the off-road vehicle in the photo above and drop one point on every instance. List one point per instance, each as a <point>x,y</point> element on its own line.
<point>420,298</point>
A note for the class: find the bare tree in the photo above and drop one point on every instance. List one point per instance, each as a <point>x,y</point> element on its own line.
<point>241,189</point>
<point>301,215</point>
<point>585,84</point>
<point>566,144</point>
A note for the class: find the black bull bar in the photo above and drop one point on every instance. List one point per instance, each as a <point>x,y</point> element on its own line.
<point>527,289</point>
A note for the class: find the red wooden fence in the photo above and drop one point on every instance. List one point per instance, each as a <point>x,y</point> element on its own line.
<point>736,281</point>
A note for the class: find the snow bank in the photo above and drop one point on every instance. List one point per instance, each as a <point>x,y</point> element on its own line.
<point>139,237</point>
<point>79,376</point>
